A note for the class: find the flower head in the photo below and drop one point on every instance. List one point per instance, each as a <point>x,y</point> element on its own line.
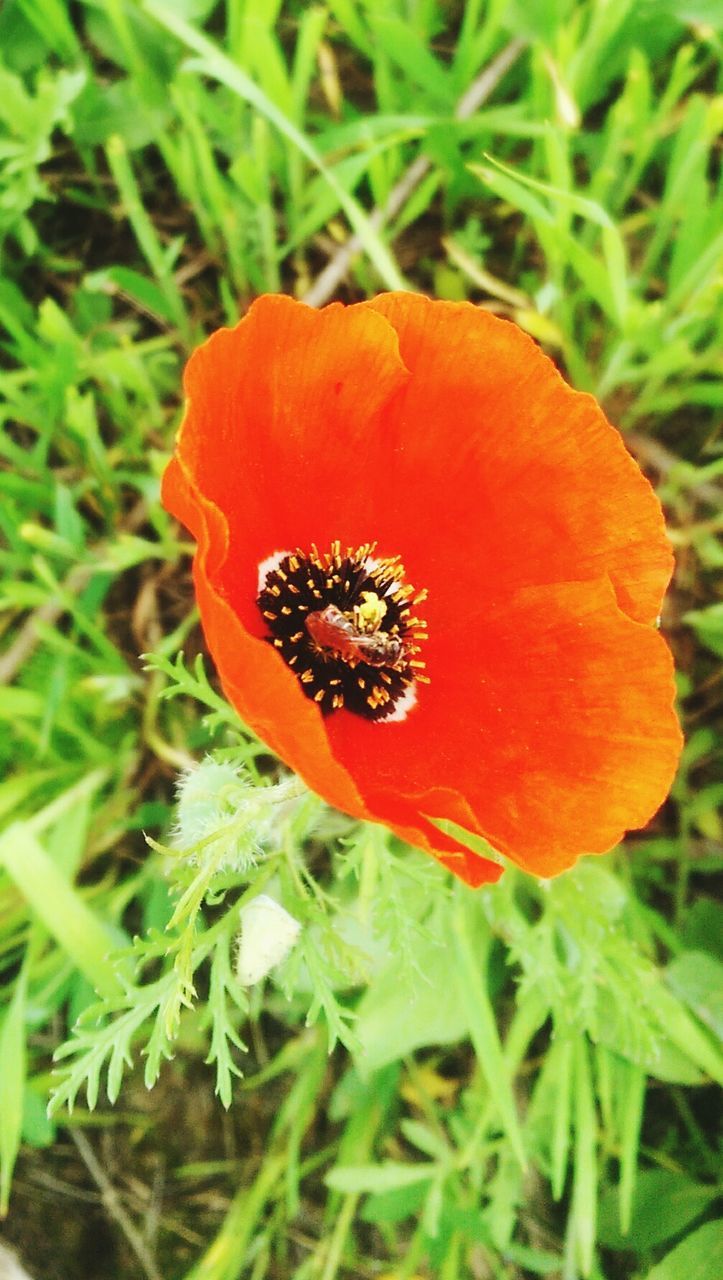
<point>429,572</point>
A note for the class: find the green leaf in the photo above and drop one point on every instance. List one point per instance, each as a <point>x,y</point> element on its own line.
<point>698,1257</point>
<point>394,1205</point>
<point>400,1013</point>
<point>665,1203</point>
<point>651,1045</point>
<point>702,928</point>
<point>694,11</point>
<point>103,109</point>
<point>708,626</point>
<point>688,1036</point>
<point>380,1177</point>
<point>12,1086</point>
<point>697,978</point>
<point>38,1128</point>
<point>412,55</point>
<point>537,19</point>
<point>145,293</point>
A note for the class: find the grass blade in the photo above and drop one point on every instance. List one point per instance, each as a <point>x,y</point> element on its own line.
<point>216,64</point>
<point>60,908</point>
<point>483,1030</point>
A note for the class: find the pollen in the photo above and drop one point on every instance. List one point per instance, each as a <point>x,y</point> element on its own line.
<point>345,622</point>
<point>368,615</point>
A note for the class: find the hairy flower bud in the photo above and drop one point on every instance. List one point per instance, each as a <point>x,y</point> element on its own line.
<point>268,934</point>
<point>221,814</point>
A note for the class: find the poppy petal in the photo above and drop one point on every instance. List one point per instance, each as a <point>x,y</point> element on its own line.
<point>538,487</point>
<point>283,421</point>
<point>566,735</point>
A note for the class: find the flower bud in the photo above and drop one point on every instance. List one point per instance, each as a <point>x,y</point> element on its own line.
<point>268,934</point>
<point>216,806</point>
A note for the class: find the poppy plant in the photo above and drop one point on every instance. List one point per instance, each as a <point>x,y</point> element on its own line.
<point>429,574</point>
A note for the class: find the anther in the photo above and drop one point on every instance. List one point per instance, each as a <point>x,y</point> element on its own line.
<point>341,620</point>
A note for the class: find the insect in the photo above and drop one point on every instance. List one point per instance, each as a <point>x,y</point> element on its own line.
<point>331,629</point>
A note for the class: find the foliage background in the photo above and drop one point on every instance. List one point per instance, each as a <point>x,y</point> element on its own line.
<point>527,1086</point>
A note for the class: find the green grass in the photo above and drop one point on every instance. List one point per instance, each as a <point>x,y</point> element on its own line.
<point>160,165</point>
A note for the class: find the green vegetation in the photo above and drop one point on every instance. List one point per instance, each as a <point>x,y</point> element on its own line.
<point>521,1079</point>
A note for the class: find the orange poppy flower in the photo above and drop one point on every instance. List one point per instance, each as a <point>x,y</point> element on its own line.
<point>428,572</point>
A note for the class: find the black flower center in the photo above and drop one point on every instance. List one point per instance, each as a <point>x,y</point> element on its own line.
<point>344,622</point>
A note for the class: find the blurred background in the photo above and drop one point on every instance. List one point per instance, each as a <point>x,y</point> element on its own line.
<point>556,162</point>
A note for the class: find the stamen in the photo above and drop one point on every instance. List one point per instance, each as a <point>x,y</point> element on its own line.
<point>342,620</point>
